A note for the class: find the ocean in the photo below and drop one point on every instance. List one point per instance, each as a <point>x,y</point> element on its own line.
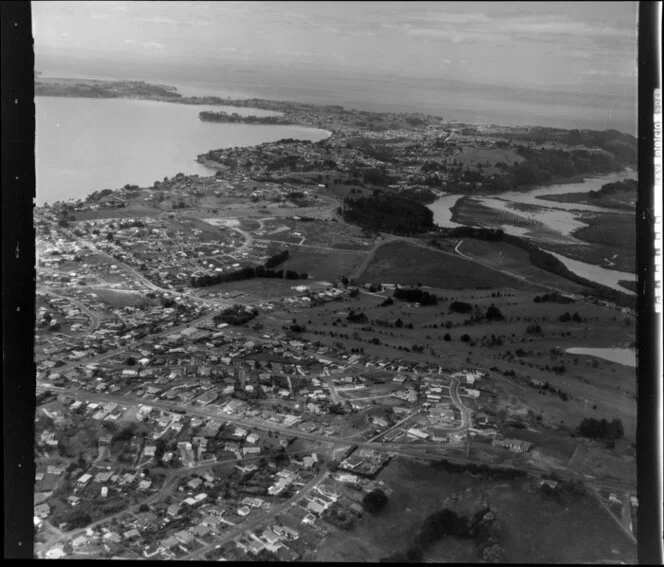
<point>454,100</point>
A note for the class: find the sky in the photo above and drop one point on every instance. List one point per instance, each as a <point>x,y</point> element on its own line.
<point>564,45</point>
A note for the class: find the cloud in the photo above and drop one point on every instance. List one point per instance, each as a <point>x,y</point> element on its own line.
<point>144,44</point>
<point>153,45</point>
<point>480,27</point>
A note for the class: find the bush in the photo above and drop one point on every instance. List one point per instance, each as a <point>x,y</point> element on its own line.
<point>460,307</point>
<point>375,501</point>
<point>416,295</point>
<point>494,314</point>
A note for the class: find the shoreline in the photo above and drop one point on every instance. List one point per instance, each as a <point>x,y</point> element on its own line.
<point>208,165</point>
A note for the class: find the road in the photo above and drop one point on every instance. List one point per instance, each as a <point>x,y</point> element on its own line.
<point>122,350</point>
<point>393,427</point>
<point>426,450</point>
<point>505,272</point>
<point>94,319</point>
<point>253,523</point>
<point>625,529</point>
<point>132,271</point>
<point>170,482</point>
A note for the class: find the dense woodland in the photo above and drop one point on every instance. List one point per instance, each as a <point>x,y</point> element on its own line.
<point>616,187</point>
<point>209,116</point>
<point>382,213</point>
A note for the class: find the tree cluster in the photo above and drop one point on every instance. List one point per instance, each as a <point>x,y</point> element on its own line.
<point>567,316</point>
<point>209,116</point>
<point>415,295</point>
<point>263,271</point>
<point>235,315</point>
<point>601,429</point>
<point>554,297</point>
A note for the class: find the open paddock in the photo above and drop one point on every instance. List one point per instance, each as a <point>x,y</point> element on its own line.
<point>406,264</point>
<point>322,265</point>
<point>505,256</point>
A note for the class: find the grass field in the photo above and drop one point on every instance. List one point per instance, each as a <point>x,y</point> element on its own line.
<point>613,237</point>
<point>121,299</point>
<point>515,260</point>
<point>608,386</point>
<point>322,265</point>
<point>623,200</point>
<point>406,264</point>
<point>534,529</point>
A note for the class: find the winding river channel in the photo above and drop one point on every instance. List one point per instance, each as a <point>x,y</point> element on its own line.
<point>558,219</point>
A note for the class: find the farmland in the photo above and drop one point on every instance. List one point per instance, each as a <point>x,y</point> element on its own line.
<point>405,264</point>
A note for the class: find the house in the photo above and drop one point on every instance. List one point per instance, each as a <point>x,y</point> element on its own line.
<point>514,445</point>
<point>256,546</point>
<point>149,451</point>
<point>201,530</point>
<point>79,541</point>
<point>170,542</point>
<point>152,550</point>
<point>286,532</point>
<point>73,500</point>
<point>417,433</point>
<point>113,537</point>
<point>316,506</point>
<point>270,537</point>
<point>243,511</point>
<point>184,537</point>
<point>356,508</point>
<point>173,510</point>
<point>131,534</point>
<point>253,502</point>
<point>42,510</point>
<point>379,422</point>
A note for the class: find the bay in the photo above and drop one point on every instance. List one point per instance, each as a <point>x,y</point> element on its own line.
<point>84,145</point>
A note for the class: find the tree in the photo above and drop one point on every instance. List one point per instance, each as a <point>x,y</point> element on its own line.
<point>375,501</point>
<point>494,314</point>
